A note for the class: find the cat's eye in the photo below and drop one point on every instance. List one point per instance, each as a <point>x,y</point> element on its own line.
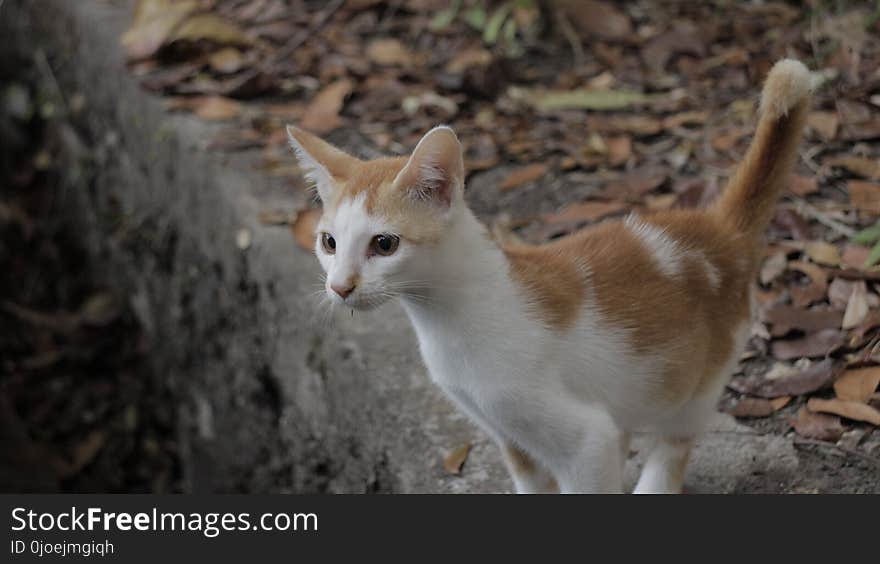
<point>384,244</point>
<point>329,243</point>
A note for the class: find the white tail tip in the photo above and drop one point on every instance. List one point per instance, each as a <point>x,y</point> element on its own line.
<point>788,82</point>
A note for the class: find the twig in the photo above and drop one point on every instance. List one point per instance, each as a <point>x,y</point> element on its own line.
<point>297,40</point>
<point>803,207</point>
<point>571,36</point>
<point>845,450</point>
<point>46,70</point>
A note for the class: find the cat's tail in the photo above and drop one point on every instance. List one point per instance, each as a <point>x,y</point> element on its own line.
<point>763,174</point>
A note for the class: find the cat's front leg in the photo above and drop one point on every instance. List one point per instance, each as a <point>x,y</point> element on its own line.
<point>529,476</point>
<point>596,464</point>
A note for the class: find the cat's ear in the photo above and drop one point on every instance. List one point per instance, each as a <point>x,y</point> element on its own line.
<point>435,171</point>
<point>323,164</point>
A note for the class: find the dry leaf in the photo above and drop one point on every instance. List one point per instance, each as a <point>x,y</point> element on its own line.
<point>757,407</point>
<point>817,377</point>
<point>153,23</point>
<point>824,123</point>
<point>304,228</point>
<point>584,212</point>
<point>784,318</point>
<point>864,195</point>
<point>849,409</point>
<point>389,52</point>
<point>686,118</point>
<point>581,99</point>
<point>523,175</point>
<point>216,108</point>
<point>860,166</point>
<point>855,256</point>
<point>822,253</point>
<point>598,19</point>
<point>856,307</point>
<point>619,150</point>
<point>773,267</point>
<point>322,114</point>
<point>212,28</point>
<point>83,454</point>
<point>454,461</point>
<point>633,186</point>
<point>100,309</point>
<point>226,61</point>
<point>817,426</point>
<point>803,185</point>
<point>815,345</point>
<point>858,384</point>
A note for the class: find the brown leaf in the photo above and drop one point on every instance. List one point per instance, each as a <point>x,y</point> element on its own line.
<point>855,256</point>
<point>817,426</point>
<point>793,222</point>
<point>803,185</point>
<point>304,227</point>
<point>856,306</point>
<point>226,61</point>
<point>864,195</point>
<point>814,345</point>
<point>773,267</point>
<point>454,461</point>
<point>757,407</point>
<point>784,318</point>
<point>584,212</point>
<point>824,123</point>
<point>822,253</point>
<point>153,23</point>
<point>860,166</point>
<point>322,114</point>
<point>686,118</point>
<point>849,409</point>
<point>817,377</point>
<point>805,295</point>
<point>389,52</point>
<point>595,18</point>
<point>619,150</point>
<point>635,124</point>
<point>858,384</point>
<point>522,176</point>
<point>216,108</point>
<point>633,186</point>
<point>211,28</point>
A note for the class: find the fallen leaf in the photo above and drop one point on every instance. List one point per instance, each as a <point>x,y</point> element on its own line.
<point>858,384</point>
<point>686,118</point>
<point>322,113</point>
<point>785,318</point>
<point>823,253</point>
<point>390,52</point>
<point>757,407</point>
<point>803,185</point>
<point>817,426</point>
<point>683,38</point>
<point>522,176</point>
<point>634,185</point>
<point>595,18</point>
<point>598,100</point>
<point>216,108</point>
<point>83,454</point>
<point>153,22</point>
<point>856,306</point>
<point>304,227</point>
<point>864,195</point>
<point>839,292</point>
<point>818,376</point>
<point>100,309</point>
<point>636,124</point>
<point>467,58</point>
<point>211,28</point>
<point>584,212</point>
<point>226,61</point>
<point>814,345</point>
<point>848,409</point>
<point>790,220</point>
<point>802,296</point>
<point>824,123</point>
<point>855,256</point>
<point>860,166</point>
<point>454,461</point>
<point>773,267</point>
<point>619,150</point>
<point>727,139</point>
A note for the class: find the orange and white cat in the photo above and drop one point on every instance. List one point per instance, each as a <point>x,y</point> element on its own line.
<point>560,350</point>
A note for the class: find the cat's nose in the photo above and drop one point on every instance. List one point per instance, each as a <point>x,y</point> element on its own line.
<point>343,291</point>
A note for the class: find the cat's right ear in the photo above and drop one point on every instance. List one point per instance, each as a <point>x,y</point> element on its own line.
<point>322,164</point>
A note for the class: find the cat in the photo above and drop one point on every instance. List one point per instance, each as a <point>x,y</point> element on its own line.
<point>559,351</point>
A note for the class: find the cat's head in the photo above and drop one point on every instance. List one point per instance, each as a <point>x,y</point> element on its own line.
<point>381,218</point>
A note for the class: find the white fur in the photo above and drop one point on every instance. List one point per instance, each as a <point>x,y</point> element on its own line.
<point>667,252</point>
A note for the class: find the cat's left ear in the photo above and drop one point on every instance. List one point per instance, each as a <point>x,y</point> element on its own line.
<point>435,171</point>
<point>322,163</point>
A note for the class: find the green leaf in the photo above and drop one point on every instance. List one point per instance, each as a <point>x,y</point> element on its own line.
<point>475,16</point>
<point>586,99</point>
<point>874,257</point>
<point>868,235</point>
<point>493,27</point>
<point>444,18</point>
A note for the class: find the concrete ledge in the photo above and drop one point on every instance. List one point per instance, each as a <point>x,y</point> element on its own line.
<point>271,399</point>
